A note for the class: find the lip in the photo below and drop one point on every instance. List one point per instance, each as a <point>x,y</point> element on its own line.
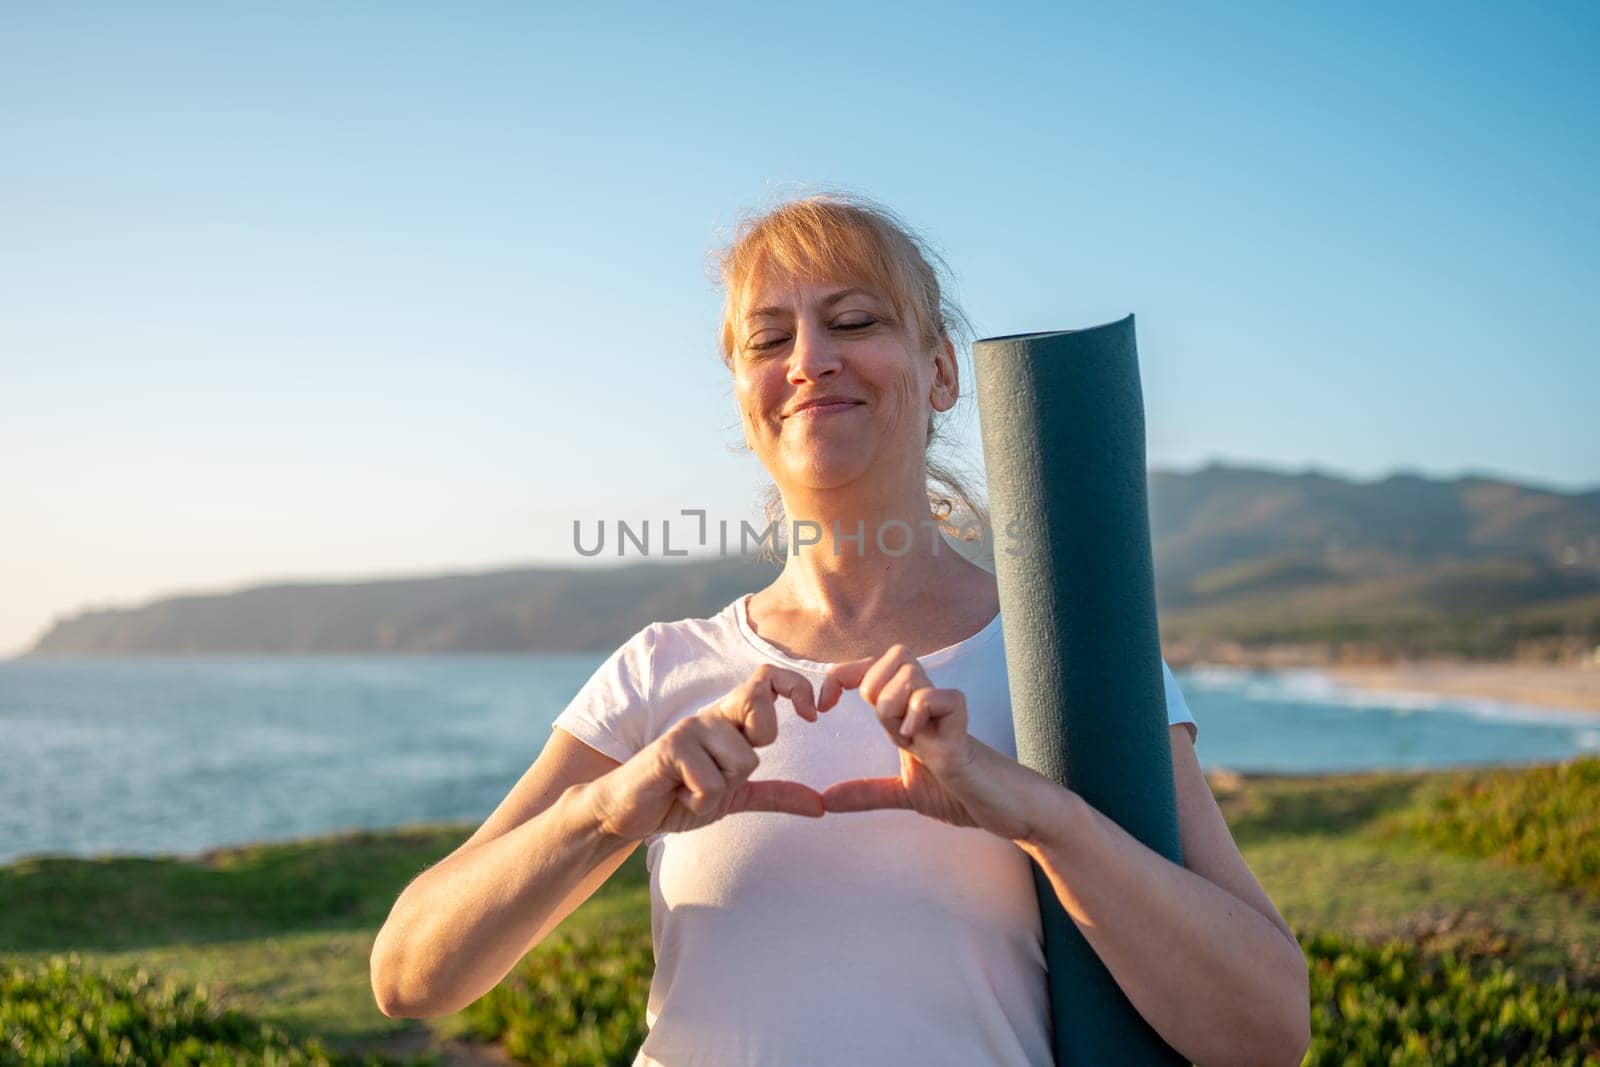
<point>824,406</point>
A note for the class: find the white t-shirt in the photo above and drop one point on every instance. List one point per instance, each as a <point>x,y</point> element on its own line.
<point>883,937</point>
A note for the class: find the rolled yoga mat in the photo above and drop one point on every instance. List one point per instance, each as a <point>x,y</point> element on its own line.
<point>1062,419</point>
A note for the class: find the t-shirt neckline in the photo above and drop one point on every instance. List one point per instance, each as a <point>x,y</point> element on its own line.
<point>741,617</point>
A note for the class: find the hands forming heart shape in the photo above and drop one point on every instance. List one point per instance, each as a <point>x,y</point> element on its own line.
<point>699,769</point>
<point>945,772</point>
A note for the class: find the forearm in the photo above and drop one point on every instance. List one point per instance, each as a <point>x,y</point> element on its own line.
<point>1216,979</point>
<point>462,924</point>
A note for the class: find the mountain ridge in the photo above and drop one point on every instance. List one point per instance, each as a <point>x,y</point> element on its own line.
<point>1476,565</point>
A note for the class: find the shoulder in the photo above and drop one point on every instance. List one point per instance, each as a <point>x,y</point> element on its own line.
<point>694,646</point>
<point>699,635</point>
<point>686,635</point>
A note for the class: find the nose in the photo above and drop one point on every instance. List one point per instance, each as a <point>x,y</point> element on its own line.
<point>813,355</point>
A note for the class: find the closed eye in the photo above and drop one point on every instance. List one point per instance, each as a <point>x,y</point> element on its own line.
<point>760,346</point>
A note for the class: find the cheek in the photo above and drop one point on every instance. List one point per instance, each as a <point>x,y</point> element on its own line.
<point>752,396</point>
<point>907,394</point>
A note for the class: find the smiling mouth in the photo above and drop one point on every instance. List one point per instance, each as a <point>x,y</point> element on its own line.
<point>825,409</point>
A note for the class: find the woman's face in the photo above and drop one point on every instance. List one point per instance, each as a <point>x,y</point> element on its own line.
<point>799,340</point>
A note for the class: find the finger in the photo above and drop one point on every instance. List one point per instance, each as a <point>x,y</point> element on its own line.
<point>731,750</point>
<point>774,795</point>
<point>797,687</point>
<point>929,705</point>
<point>754,704</point>
<point>866,794</point>
<point>842,676</point>
<point>891,703</point>
<point>700,774</point>
<point>887,667</point>
<point>751,708</point>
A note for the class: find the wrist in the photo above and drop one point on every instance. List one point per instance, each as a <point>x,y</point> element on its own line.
<point>1056,816</point>
<point>586,803</point>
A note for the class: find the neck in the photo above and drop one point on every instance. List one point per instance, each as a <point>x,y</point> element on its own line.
<point>852,558</point>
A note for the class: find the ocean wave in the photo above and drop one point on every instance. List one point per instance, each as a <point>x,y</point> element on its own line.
<point>1310,686</point>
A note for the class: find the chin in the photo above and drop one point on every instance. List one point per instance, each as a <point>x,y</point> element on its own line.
<point>827,475</point>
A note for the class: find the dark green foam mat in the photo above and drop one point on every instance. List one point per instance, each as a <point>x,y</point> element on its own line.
<point>1062,417</point>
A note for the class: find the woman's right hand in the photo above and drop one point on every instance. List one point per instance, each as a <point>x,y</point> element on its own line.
<point>698,770</point>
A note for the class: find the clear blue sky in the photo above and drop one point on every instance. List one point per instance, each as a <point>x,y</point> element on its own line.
<point>343,290</point>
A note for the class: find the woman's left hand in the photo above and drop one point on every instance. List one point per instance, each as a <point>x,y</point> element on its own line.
<point>944,772</point>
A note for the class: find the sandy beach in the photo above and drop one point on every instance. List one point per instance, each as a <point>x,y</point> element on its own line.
<point>1546,685</point>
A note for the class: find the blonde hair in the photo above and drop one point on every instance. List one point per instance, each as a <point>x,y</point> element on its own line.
<point>835,235</point>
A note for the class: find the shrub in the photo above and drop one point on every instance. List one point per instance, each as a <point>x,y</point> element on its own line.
<point>1547,817</point>
<point>1395,1004</point>
<point>577,1001</point>
<point>61,1012</point>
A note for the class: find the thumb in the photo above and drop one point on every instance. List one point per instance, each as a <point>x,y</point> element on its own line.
<point>866,794</point>
<point>775,795</point>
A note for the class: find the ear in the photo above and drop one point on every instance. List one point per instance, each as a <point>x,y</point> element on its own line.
<point>946,377</point>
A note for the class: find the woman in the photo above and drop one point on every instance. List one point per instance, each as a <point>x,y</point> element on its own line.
<point>868,898</point>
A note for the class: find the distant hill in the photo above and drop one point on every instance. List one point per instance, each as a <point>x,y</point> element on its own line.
<point>1413,565</point>
<point>544,609</point>
<point>1408,564</point>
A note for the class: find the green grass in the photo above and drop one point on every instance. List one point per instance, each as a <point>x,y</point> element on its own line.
<point>60,1011</point>
<point>282,932</point>
<point>1332,853</point>
<point>314,983</point>
<point>333,883</point>
<point>1546,818</point>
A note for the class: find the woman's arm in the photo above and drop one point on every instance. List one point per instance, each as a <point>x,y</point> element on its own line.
<point>462,924</point>
<point>1198,949</point>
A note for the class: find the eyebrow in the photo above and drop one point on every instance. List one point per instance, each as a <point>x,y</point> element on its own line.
<point>827,301</point>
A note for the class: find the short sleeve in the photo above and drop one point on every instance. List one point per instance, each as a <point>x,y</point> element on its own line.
<point>1177,707</point>
<point>611,712</point>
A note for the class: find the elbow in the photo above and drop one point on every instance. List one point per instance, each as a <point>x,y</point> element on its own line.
<point>390,1004</point>
<point>396,1009</point>
<point>385,989</point>
<point>1278,1033</point>
<point>387,997</point>
<point>1283,1043</point>
<point>393,985</point>
<point>1294,1039</point>
<point>1302,1042</point>
<point>397,1003</point>
<point>1297,1040</point>
<point>1294,1030</point>
<point>395,1006</point>
<point>1302,1033</point>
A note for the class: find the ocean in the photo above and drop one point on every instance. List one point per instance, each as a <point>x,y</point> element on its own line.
<point>178,755</point>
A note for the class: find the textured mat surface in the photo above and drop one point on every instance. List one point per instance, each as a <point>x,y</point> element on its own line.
<point>1062,418</point>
